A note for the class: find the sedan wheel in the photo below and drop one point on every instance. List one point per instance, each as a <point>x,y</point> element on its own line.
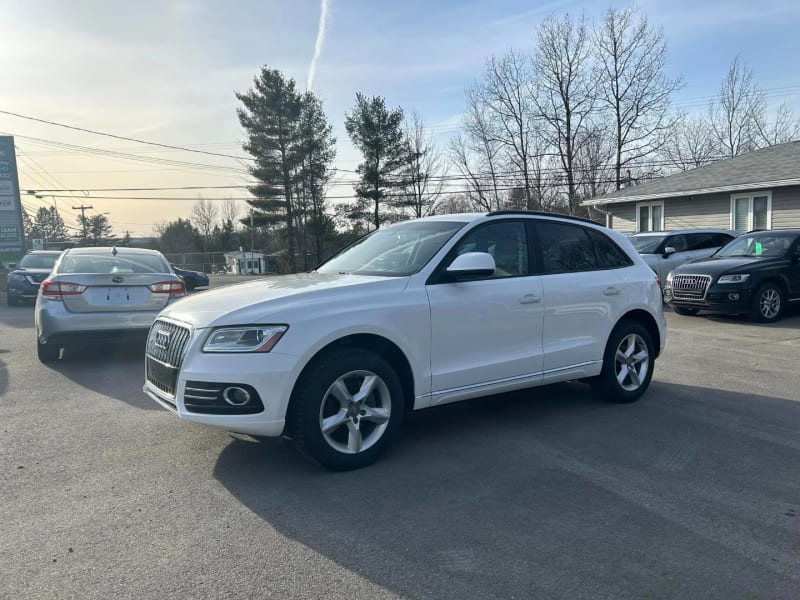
<point>627,364</point>
<point>346,408</point>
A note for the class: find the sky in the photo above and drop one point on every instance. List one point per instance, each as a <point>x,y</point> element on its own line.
<point>167,70</point>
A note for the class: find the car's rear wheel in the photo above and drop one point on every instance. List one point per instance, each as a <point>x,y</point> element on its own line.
<point>627,364</point>
<point>768,303</point>
<point>346,409</point>
<point>12,300</point>
<point>47,352</point>
<point>686,312</point>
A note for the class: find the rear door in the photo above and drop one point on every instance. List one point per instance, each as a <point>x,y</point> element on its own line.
<point>584,295</point>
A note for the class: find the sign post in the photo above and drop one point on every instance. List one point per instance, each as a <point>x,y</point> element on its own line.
<point>12,234</point>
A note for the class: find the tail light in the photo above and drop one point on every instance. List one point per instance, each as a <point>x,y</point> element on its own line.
<point>55,290</point>
<point>175,289</point>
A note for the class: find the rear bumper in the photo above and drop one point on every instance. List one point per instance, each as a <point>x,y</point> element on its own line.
<point>55,324</point>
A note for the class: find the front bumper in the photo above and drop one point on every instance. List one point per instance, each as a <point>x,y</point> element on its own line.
<point>272,375</point>
<point>22,291</point>
<point>726,299</point>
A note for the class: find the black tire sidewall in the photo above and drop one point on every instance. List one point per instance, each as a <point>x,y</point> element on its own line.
<point>606,384</point>
<point>47,353</point>
<point>685,312</point>
<point>308,396</point>
<point>189,283</point>
<point>755,313</point>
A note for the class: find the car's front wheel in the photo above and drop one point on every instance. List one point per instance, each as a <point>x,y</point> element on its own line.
<point>767,304</point>
<point>627,364</point>
<point>47,352</point>
<point>346,409</point>
<point>686,312</point>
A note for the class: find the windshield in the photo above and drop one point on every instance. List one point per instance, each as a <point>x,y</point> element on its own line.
<point>763,244</point>
<point>646,244</point>
<point>396,251</point>
<point>105,264</point>
<point>38,261</point>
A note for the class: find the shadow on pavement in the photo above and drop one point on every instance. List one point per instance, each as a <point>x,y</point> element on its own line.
<point>114,370</point>
<point>550,493</point>
<point>20,317</point>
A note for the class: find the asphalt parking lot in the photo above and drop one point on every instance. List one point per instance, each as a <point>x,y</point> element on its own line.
<point>693,491</point>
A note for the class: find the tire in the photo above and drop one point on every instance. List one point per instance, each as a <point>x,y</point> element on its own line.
<point>47,352</point>
<point>616,383</point>
<point>328,392</point>
<point>190,284</point>
<point>12,300</point>
<point>686,312</point>
<point>768,304</point>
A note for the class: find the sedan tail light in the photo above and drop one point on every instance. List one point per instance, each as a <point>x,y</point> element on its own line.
<point>175,289</point>
<point>55,290</point>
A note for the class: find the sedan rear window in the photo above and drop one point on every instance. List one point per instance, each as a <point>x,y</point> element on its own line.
<point>107,265</point>
<point>38,261</point>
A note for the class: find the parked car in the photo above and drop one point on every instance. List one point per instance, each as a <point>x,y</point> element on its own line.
<point>756,274</point>
<point>191,279</point>
<point>102,295</point>
<point>414,315</point>
<point>666,250</point>
<point>23,280</point>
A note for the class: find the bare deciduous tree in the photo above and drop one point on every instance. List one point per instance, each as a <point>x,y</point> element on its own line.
<point>736,114</point>
<point>631,59</point>
<point>231,210</point>
<point>204,216</point>
<point>424,172</point>
<point>566,94</point>
<point>690,143</point>
<point>784,127</point>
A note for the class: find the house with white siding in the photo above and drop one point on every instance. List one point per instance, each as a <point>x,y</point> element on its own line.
<point>757,190</point>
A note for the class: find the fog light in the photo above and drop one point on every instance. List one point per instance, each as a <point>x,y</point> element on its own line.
<point>733,297</point>
<point>236,396</point>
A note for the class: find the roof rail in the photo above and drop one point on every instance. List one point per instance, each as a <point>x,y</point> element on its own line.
<point>538,213</point>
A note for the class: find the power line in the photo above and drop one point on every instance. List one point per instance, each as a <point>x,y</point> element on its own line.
<point>122,137</point>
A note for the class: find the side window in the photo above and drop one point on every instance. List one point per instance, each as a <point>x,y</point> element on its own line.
<point>722,239</point>
<point>505,241</point>
<point>701,241</point>
<point>679,242</point>
<point>565,248</point>
<point>609,255</point>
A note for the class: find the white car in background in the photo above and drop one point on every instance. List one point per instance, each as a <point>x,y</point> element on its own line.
<point>414,315</point>
<point>666,250</point>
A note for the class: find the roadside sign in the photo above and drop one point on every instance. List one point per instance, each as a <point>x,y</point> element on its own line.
<point>37,244</point>
<point>12,235</point>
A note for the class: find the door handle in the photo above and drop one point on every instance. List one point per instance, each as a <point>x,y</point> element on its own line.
<point>611,291</point>
<point>530,299</point>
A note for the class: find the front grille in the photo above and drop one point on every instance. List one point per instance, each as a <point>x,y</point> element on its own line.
<point>690,287</point>
<point>166,343</point>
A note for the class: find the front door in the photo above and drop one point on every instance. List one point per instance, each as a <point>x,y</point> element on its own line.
<point>487,332</point>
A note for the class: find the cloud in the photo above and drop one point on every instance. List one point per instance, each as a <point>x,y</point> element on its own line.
<point>323,25</point>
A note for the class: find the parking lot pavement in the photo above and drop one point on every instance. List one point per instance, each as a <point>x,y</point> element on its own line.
<point>693,491</point>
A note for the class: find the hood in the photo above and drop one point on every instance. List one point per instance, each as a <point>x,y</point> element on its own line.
<point>256,301</point>
<point>717,265</point>
<point>34,275</point>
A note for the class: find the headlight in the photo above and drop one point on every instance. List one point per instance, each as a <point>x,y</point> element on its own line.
<point>15,277</point>
<point>245,338</point>
<point>739,278</point>
<point>670,275</point>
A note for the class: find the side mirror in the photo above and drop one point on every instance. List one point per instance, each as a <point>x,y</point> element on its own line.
<point>471,265</point>
<point>12,265</point>
<point>669,250</point>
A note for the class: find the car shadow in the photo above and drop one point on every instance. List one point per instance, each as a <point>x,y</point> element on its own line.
<point>107,369</point>
<point>789,320</point>
<point>531,494</point>
<point>19,317</point>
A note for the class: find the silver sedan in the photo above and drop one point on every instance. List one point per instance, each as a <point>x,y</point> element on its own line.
<point>96,295</point>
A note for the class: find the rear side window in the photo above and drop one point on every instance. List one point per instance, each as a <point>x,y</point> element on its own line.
<point>609,255</point>
<point>565,248</point>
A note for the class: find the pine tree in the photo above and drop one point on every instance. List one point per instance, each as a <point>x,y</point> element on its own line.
<point>377,132</point>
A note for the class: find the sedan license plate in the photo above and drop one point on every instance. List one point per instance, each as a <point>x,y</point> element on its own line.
<point>118,296</point>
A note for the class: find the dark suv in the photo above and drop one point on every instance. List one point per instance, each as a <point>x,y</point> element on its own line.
<point>24,279</point>
<point>756,274</point>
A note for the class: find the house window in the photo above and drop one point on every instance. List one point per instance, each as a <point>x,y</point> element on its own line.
<point>650,216</point>
<point>751,211</point>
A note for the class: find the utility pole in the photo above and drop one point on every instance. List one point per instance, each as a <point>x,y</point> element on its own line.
<point>83,210</point>
<point>252,240</point>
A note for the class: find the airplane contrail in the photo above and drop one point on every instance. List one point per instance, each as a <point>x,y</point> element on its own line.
<point>323,24</point>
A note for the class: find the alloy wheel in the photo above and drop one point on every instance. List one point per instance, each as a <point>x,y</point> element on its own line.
<point>770,303</point>
<point>631,362</point>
